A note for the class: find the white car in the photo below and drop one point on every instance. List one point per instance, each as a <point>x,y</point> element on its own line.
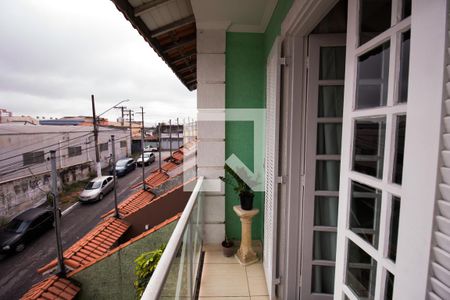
<point>150,149</point>
<point>148,159</point>
<point>96,189</point>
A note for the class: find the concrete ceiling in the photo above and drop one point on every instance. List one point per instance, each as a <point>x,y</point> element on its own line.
<point>234,15</point>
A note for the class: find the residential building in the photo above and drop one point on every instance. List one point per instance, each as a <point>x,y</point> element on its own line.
<point>25,165</point>
<point>8,117</point>
<point>353,97</point>
<point>101,263</point>
<point>171,135</point>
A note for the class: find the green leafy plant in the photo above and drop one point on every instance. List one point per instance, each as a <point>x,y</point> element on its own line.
<point>238,184</point>
<point>145,266</point>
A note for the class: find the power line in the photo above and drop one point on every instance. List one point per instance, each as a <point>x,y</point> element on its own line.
<point>37,149</point>
<point>18,165</point>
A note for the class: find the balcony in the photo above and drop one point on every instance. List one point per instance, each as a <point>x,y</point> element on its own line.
<point>188,269</point>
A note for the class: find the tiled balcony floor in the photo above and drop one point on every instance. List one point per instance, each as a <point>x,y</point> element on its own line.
<point>223,278</point>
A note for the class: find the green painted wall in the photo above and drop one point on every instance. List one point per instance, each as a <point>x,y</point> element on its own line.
<point>244,89</point>
<point>113,277</point>
<point>274,27</point>
<point>246,55</point>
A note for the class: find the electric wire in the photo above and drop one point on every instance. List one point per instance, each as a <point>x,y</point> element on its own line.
<point>18,166</point>
<point>37,149</point>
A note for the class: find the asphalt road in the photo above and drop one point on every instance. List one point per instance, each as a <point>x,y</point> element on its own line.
<point>18,272</point>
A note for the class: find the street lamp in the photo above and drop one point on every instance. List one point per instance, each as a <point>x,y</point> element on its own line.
<point>115,106</point>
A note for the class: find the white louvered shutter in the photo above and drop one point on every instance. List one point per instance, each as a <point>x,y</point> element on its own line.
<point>440,264</point>
<point>271,163</point>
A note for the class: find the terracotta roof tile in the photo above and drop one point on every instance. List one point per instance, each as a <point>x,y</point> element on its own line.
<point>53,287</point>
<point>124,245</point>
<point>156,178</point>
<point>169,166</point>
<point>178,156</point>
<point>93,245</point>
<point>133,203</point>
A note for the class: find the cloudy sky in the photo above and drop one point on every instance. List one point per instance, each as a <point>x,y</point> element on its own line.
<point>55,53</point>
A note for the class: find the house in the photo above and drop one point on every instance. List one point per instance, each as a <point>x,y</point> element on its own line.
<point>25,168</point>
<point>171,136</point>
<point>353,100</point>
<point>101,263</point>
<point>7,117</point>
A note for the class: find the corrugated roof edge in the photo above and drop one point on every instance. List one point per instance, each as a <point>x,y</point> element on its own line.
<point>128,12</point>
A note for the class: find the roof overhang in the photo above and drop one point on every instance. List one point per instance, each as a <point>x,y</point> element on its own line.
<point>169,28</point>
<point>234,15</point>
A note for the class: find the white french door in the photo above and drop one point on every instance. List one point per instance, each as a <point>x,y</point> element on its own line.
<point>323,123</point>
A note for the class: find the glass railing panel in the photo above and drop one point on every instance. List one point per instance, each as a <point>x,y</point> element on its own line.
<point>177,271</point>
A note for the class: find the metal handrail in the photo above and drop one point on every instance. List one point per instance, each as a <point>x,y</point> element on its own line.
<point>159,276</point>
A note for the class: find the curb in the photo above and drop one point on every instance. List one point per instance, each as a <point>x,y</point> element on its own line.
<point>70,208</point>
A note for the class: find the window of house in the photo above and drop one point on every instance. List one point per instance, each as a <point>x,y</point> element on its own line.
<point>103,147</point>
<point>379,41</point>
<point>74,151</point>
<point>123,144</point>
<point>35,157</point>
<point>361,272</point>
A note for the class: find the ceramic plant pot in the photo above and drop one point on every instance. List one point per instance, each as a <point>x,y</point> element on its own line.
<point>227,248</point>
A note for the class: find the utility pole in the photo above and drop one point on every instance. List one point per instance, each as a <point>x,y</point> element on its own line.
<point>178,134</point>
<point>159,145</point>
<point>97,152</point>
<point>57,216</point>
<point>122,108</point>
<point>117,215</point>
<point>170,137</point>
<point>131,131</point>
<point>142,148</point>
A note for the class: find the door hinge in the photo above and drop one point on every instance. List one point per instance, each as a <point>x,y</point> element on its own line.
<point>281,179</point>
<point>307,62</point>
<point>284,61</point>
<point>277,281</point>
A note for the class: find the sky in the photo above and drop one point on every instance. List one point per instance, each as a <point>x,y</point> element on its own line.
<point>55,53</point>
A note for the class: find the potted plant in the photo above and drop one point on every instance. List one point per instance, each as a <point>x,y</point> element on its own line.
<point>244,191</point>
<point>227,247</point>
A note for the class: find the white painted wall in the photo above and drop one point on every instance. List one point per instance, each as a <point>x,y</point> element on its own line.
<point>211,134</point>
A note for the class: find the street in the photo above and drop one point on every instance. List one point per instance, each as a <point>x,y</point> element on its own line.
<point>18,272</point>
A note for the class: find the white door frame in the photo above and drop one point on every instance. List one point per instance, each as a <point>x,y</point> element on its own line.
<point>311,124</point>
<point>303,16</point>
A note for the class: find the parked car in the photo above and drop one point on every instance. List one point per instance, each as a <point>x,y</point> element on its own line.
<point>148,159</point>
<point>96,189</point>
<point>150,149</point>
<point>25,227</point>
<point>124,166</point>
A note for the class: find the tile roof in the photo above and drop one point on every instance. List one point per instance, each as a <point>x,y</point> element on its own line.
<point>133,203</point>
<point>169,166</point>
<point>177,156</point>
<point>93,245</point>
<point>156,178</point>
<point>53,287</point>
<point>131,241</point>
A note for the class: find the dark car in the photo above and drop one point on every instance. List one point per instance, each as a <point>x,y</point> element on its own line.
<point>124,166</point>
<point>23,228</point>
